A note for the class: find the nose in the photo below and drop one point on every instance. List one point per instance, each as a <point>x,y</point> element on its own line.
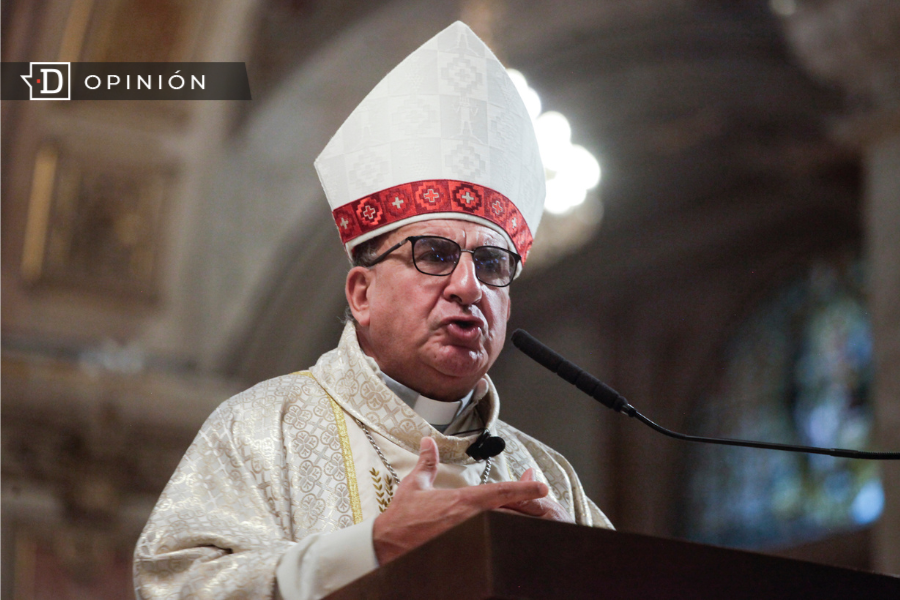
<point>463,286</point>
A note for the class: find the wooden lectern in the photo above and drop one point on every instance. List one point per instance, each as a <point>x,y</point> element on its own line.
<point>502,556</point>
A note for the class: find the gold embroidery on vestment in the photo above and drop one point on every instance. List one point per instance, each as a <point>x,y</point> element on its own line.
<point>349,466</point>
<point>384,488</point>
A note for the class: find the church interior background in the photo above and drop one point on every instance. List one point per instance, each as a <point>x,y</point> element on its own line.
<point>736,271</point>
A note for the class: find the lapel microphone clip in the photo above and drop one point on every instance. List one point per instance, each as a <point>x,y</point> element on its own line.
<point>486,446</point>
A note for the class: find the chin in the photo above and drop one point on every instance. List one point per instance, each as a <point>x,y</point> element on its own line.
<point>463,364</point>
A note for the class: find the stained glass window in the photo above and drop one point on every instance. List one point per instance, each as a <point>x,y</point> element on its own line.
<point>798,370</point>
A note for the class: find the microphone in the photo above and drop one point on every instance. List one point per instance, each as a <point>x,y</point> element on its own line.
<point>607,396</point>
<point>486,446</point>
<point>571,372</point>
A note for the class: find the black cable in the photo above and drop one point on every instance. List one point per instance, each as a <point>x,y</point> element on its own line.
<point>607,396</point>
<point>840,452</point>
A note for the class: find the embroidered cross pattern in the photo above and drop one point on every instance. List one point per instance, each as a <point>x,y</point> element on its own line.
<point>369,213</point>
<point>498,208</point>
<point>462,74</point>
<point>407,200</point>
<point>468,199</point>
<point>430,196</point>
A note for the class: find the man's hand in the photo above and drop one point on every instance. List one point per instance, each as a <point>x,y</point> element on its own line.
<point>544,508</point>
<point>418,512</point>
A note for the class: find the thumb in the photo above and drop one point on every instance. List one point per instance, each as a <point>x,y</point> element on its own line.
<point>527,475</point>
<point>426,468</point>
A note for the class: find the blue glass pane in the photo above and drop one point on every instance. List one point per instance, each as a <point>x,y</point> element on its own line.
<point>798,370</point>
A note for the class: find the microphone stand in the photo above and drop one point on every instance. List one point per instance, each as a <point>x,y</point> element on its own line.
<point>610,398</point>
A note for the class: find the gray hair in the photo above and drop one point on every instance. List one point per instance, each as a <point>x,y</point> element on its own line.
<point>364,254</point>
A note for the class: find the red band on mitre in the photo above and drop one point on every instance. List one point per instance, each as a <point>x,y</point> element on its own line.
<point>400,202</point>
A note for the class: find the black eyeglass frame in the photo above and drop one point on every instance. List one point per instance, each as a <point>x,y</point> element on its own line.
<point>415,238</point>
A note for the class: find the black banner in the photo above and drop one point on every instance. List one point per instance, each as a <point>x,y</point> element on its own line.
<point>125,81</point>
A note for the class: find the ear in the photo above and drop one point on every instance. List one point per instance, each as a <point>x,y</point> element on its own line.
<point>508,306</point>
<point>359,280</point>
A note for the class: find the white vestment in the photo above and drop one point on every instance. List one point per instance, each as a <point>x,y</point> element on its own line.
<point>282,477</point>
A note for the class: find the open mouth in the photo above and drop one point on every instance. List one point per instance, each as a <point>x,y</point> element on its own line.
<point>467,329</point>
<point>465,325</point>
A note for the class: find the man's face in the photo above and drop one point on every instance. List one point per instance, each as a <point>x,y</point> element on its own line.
<point>437,335</point>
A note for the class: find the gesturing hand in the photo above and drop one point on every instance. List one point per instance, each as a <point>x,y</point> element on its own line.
<point>545,508</point>
<point>418,512</point>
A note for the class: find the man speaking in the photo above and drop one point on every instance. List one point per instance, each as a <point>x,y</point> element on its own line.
<point>305,482</point>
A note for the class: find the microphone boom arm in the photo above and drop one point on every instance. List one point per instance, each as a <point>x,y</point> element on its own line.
<point>610,398</point>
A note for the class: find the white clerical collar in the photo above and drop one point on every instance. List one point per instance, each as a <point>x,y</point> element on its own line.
<point>437,413</point>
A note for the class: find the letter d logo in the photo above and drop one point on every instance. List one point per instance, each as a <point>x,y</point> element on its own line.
<point>52,81</point>
<point>46,79</point>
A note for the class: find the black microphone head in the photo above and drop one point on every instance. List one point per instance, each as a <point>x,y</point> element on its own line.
<point>520,335</point>
<point>536,350</point>
<point>524,341</point>
<point>569,371</point>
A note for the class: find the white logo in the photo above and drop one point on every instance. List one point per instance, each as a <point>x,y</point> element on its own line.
<point>49,80</point>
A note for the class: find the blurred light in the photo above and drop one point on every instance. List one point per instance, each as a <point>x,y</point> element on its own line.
<point>868,504</point>
<point>563,195</point>
<point>570,170</point>
<point>783,8</point>
<point>585,167</point>
<point>554,136</point>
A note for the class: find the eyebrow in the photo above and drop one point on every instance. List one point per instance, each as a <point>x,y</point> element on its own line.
<point>497,241</point>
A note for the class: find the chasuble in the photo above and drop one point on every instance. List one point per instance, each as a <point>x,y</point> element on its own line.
<point>283,478</point>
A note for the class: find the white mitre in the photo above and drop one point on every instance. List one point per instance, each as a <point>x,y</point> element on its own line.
<point>445,135</point>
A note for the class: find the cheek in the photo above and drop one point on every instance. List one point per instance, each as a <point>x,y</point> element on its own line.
<point>405,300</point>
<point>497,312</point>
<point>498,303</point>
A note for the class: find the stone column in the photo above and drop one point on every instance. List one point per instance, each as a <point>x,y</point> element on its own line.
<point>856,45</point>
<point>882,162</point>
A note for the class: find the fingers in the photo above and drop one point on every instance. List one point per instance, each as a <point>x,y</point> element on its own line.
<point>528,475</point>
<point>495,495</point>
<point>532,508</point>
<point>535,508</point>
<point>544,508</point>
<point>425,471</point>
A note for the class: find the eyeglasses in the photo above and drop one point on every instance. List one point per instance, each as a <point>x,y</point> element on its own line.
<point>435,255</point>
